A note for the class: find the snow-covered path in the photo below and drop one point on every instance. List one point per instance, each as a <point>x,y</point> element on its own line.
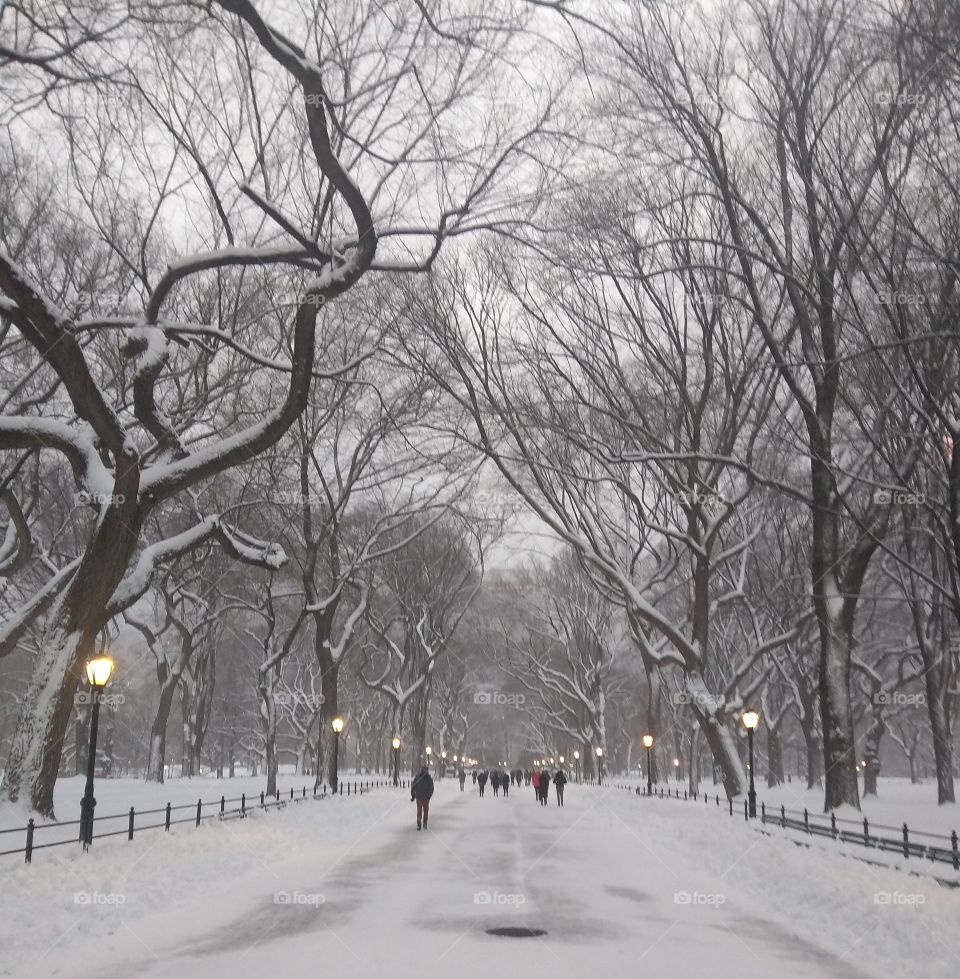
<point>622,887</point>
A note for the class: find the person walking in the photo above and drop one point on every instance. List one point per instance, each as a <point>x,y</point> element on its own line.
<point>421,790</point>
<point>482,781</point>
<point>462,775</point>
<point>474,774</point>
<point>560,780</point>
<point>536,785</point>
<point>505,784</point>
<point>544,787</point>
<point>495,782</point>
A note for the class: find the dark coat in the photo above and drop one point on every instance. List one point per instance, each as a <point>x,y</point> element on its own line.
<point>559,779</point>
<point>482,778</point>
<point>421,787</point>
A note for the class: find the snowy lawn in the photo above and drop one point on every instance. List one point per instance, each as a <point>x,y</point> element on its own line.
<point>118,882</point>
<point>621,885</point>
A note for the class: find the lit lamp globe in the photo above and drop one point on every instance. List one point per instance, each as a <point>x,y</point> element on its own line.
<point>599,752</point>
<point>648,741</point>
<point>561,759</point>
<point>576,756</point>
<point>751,719</point>
<point>396,744</point>
<point>337,725</point>
<point>99,670</point>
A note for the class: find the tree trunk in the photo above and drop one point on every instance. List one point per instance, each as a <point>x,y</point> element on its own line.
<point>774,758</point>
<point>156,760</point>
<point>871,753</point>
<point>836,714</point>
<point>938,713</point>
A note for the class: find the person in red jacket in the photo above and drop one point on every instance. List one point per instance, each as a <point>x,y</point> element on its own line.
<point>536,784</point>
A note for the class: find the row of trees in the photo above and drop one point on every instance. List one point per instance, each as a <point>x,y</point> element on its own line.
<point>302,284</point>
<point>724,369</point>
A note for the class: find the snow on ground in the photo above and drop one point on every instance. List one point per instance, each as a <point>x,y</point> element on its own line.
<point>622,886</point>
<point>898,802</point>
<point>115,796</point>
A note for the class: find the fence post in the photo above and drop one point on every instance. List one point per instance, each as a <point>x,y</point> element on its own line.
<point>866,832</point>
<point>28,852</point>
<point>130,825</point>
<point>763,814</point>
<point>953,846</point>
<point>806,819</point>
<point>223,805</point>
<point>243,804</point>
<point>261,798</point>
<point>833,824</point>
<point>718,801</point>
<point>746,811</point>
<point>199,810</point>
<point>731,805</point>
<point>167,821</point>
<point>684,794</point>
<point>906,841</point>
<point>341,788</point>
<point>304,792</point>
<point>291,793</point>
<point>783,817</point>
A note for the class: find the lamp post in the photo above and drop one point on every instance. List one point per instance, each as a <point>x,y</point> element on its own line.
<point>676,769</point>
<point>443,763</point>
<point>396,760</point>
<point>648,744</point>
<point>750,720</point>
<point>98,673</point>
<point>429,756</point>
<point>337,725</point>
<point>599,766</point>
<point>576,760</point>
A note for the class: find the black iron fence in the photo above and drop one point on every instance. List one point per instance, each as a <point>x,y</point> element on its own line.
<point>917,844</point>
<point>131,822</point>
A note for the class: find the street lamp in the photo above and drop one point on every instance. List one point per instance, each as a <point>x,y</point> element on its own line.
<point>561,759</point>
<point>443,764</point>
<point>429,755</point>
<point>337,725</point>
<point>648,744</point>
<point>599,766</point>
<point>676,769</point>
<point>98,673</point>
<point>396,760</point>
<point>576,759</point>
<point>750,720</point>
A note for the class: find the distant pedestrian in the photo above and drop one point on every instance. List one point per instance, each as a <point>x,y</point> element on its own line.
<point>482,782</point>
<point>560,780</point>
<point>462,775</point>
<point>474,774</point>
<point>544,787</point>
<point>495,782</point>
<point>421,790</point>
<point>536,785</point>
<point>505,784</point>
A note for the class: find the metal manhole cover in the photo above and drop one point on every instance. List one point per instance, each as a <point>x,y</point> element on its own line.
<point>517,932</point>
